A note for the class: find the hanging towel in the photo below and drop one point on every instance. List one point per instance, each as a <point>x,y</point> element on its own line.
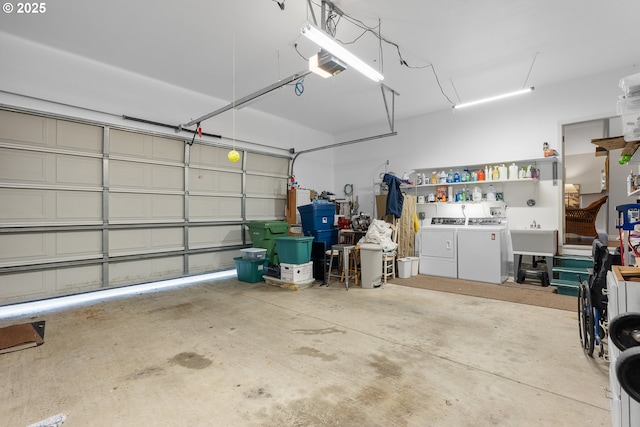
<point>395,198</point>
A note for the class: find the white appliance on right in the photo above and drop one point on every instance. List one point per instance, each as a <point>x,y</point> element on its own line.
<point>482,250</point>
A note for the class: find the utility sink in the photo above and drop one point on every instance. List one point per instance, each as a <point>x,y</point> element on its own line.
<point>534,241</point>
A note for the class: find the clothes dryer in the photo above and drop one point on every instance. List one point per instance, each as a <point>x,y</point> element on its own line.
<point>439,247</point>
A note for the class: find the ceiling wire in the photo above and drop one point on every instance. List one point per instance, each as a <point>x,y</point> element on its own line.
<point>530,68</point>
<point>332,27</point>
<point>455,90</point>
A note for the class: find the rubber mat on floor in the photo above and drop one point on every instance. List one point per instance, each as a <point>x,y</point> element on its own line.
<point>18,337</point>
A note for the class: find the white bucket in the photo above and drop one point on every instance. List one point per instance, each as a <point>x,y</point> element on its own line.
<point>404,268</point>
<point>415,263</point>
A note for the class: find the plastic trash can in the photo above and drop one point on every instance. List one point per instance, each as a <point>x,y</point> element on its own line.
<point>415,263</point>
<point>370,265</point>
<point>404,268</point>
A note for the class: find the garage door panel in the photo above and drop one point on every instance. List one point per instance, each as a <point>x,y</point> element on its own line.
<point>215,208</point>
<point>214,157</point>
<point>20,206</point>
<point>261,185</point>
<point>79,205</point>
<point>144,146</point>
<point>79,136</point>
<point>167,207</point>
<point>38,247</point>
<point>25,128</point>
<point>78,243</point>
<point>82,278</point>
<point>258,209</point>
<point>268,164</point>
<point>207,262</point>
<point>145,240</point>
<point>203,180</point>
<point>144,270</point>
<point>21,247</point>
<point>138,207</point>
<point>214,236</point>
<point>84,171</point>
<point>128,143</point>
<point>18,286</point>
<point>23,166</point>
<point>127,174</point>
<point>129,206</point>
<point>145,176</point>
<point>167,178</point>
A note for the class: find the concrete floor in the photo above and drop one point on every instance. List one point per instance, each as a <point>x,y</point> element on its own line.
<point>237,354</point>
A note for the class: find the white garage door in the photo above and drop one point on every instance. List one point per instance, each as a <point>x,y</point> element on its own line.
<point>86,207</point>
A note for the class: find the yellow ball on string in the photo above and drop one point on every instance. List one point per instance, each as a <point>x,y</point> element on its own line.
<point>233,156</point>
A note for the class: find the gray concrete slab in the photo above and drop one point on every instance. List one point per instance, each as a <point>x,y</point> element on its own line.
<point>238,354</point>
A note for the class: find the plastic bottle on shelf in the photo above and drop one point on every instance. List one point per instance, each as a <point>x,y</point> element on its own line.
<point>489,172</point>
<point>456,176</point>
<point>450,176</point>
<point>513,171</point>
<point>496,174</point>
<point>491,194</point>
<point>434,177</point>
<point>503,172</point>
<point>482,174</point>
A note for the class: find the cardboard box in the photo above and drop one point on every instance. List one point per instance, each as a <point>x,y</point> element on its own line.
<point>296,273</point>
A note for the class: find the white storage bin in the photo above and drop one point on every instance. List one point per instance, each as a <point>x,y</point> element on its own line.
<point>415,263</point>
<point>296,273</point>
<point>253,253</point>
<point>404,268</point>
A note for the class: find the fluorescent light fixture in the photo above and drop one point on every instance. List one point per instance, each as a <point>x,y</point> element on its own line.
<point>53,304</point>
<point>493,98</point>
<point>326,42</point>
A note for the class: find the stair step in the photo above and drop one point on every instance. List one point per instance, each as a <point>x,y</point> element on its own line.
<point>574,257</point>
<point>573,263</point>
<point>562,282</point>
<point>581,270</point>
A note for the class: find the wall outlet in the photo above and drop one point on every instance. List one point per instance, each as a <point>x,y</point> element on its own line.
<point>422,215</point>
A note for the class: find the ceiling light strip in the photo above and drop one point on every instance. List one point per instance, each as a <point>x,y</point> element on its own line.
<point>493,98</point>
<point>323,40</point>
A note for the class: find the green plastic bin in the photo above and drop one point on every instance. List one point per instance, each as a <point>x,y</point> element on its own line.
<point>260,230</point>
<point>263,233</point>
<point>294,249</point>
<point>250,270</point>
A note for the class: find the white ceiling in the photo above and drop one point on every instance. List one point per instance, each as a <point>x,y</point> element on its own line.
<point>229,49</point>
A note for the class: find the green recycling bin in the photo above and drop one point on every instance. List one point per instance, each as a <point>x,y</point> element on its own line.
<point>263,235</point>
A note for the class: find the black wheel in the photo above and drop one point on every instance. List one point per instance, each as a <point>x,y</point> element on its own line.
<point>624,330</point>
<point>627,368</point>
<point>585,319</point>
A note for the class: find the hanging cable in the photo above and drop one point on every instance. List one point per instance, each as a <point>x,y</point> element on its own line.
<point>197,132</point>
<point>530,68</point>
<point>299,87</point>
<point>331,26</point>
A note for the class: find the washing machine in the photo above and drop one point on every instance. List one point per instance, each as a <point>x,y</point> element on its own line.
<point>482,250</point>
<point>439,247</point>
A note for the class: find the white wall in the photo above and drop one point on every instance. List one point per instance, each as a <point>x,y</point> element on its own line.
<point>511,129</point>
<point>33,74</point>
